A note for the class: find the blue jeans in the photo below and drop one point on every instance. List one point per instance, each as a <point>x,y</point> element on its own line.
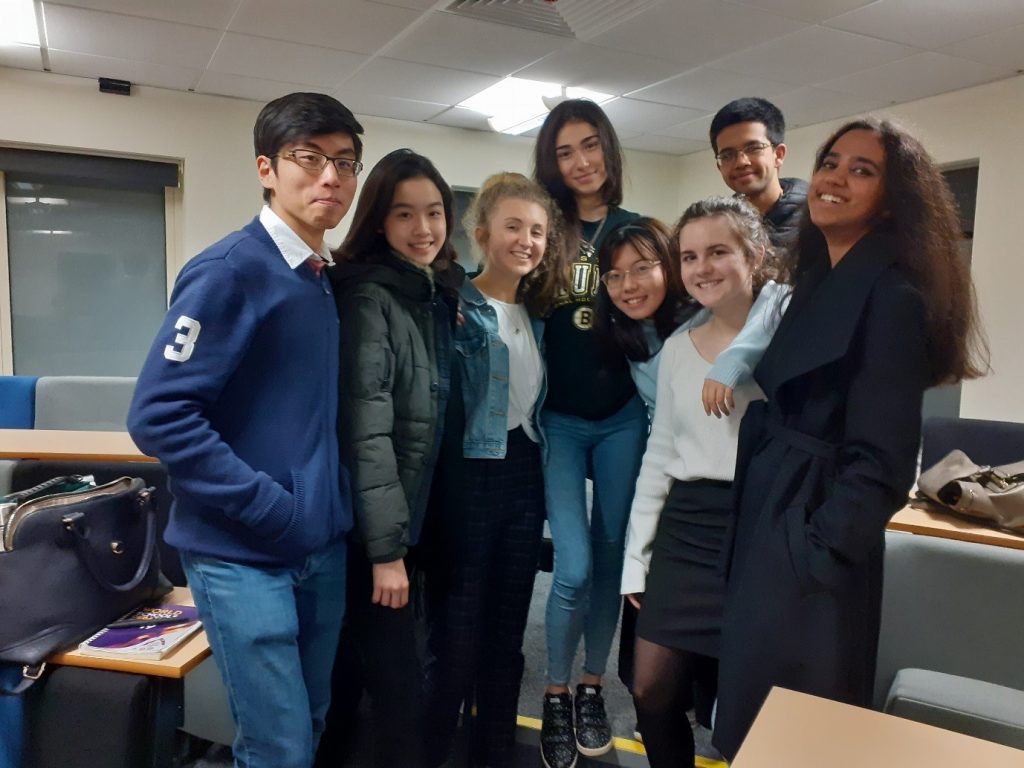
<point>584,599</point>
<point>273,632</point>
<point>11,718</point>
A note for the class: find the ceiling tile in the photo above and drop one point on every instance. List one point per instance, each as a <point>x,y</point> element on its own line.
<point>807,106</point>
<point>387,106</point>
<point>265,59</point>
<point>931,24</point>
<point>128,37</point>
<point>241,87</point>
<point>599,68</point>
<point>138,72</point>
<point>21,56</point>
<point>696,130</point>
<point>696,31</point>
<point>460,117</point>
<point>348,25</point>
<point>214,14</point>
<point>812,55</point>
<point>646,116</point>
<point>665,145</point>
<point>456,42</point>
<point>925,74</point>
<point>1004,48</point>
<point>807,10</point>
<point>420,82</point>
<point>709,89</point>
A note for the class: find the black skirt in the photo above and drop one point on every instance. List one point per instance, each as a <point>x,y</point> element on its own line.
<point>682,607</point>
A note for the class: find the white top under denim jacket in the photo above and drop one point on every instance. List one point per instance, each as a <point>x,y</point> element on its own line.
<point>735,364</point>
<point>484,361</point>
<point>526,370</point>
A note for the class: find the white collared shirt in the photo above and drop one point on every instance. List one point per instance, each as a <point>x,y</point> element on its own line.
<point>291,246</point>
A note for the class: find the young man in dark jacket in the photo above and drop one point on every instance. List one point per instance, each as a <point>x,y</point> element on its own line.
<point>238,398</point>
<point>747,137</point>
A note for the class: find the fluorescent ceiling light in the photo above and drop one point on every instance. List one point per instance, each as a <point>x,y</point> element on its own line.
<point>35,200</point>
<point>20,26</point>
<point>516,105</point>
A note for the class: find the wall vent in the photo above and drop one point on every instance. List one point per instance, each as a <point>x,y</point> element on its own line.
<point>580,19</point>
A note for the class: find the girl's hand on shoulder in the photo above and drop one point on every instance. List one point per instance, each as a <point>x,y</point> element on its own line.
<point>390,584</point>
<point>635,598</point>
<point>717,398</point>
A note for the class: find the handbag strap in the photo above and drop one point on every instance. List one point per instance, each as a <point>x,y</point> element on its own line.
<point>30,674</point>
<point>144,501</point>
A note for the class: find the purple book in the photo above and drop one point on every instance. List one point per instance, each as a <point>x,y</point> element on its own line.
<point>147,641</point>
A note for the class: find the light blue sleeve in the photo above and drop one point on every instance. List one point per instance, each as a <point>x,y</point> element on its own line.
<point>736,363</point>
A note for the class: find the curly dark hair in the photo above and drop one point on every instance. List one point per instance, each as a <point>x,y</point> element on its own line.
<point>922,215</point>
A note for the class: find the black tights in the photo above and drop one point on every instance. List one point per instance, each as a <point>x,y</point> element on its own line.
<point>663,679</point>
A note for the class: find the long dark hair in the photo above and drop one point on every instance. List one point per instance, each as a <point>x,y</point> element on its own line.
<point>545,158</point>
<point>365,241</point>
<point>922,216</point>
<point>618,333</point>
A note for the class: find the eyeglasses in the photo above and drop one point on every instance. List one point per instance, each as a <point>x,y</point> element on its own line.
<point>753,149</point>
<point>312,160</point>
<point>614,279</point>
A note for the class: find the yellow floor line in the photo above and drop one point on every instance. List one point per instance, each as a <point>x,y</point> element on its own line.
<point>625,745</point>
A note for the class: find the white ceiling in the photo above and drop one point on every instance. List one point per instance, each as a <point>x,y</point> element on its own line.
<point>673,64</point>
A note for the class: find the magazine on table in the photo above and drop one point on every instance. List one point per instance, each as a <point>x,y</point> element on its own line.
<point>147,633</point>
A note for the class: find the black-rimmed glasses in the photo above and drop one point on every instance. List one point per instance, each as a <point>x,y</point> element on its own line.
<point>312,160</point>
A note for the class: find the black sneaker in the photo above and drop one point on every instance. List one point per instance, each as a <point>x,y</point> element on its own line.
<point>557,741</point>
<point>593,732</point>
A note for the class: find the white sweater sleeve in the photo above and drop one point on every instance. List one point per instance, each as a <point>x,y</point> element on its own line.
<point>652,486</point>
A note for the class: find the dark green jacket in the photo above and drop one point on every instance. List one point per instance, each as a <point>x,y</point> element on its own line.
<point>394,380</point>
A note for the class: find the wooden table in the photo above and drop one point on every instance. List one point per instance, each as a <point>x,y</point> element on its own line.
<point>68,445</point>
<point>795,730</point>
<point>176,664</point>
<point>928,519</point>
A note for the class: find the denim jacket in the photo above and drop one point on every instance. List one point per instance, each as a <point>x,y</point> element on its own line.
<point>483,358</point>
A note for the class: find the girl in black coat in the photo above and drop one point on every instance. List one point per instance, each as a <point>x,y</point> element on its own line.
<point>882,308</point>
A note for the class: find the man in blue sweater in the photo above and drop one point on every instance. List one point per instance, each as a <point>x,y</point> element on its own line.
<point>238,398</point>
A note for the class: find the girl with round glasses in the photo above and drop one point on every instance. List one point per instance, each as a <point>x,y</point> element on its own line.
<point>682,506</point>
<point>641,305</point>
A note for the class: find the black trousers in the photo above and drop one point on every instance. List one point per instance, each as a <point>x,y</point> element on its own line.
<point>390,666</point>
<point>480,601</point>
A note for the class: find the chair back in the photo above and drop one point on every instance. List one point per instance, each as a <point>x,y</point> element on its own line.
<point>984,441</point>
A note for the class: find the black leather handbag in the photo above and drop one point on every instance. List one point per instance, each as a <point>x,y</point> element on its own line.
<point>73,558</point>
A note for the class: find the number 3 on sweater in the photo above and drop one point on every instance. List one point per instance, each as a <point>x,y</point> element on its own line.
<point>187,340</point>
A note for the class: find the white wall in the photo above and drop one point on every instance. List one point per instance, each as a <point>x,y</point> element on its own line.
<point>981,124</point>
<point>212,137</point>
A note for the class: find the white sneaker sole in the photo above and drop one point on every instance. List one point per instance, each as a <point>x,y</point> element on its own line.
<point>594,751</point>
